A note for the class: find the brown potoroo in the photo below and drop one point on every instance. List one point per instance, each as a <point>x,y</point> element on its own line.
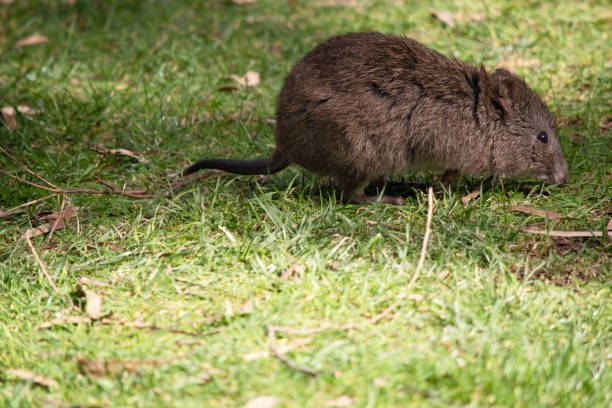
<point>363,106</point>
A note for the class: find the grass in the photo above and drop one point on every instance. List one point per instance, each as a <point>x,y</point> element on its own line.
<point>191,279</point>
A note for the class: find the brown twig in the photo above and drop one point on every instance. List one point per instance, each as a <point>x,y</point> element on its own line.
<point>46,273</point>
<point>272,330</point>
<point>55,190</point>
<point>108,320</point>
<point>15,209</point>
<point>104,183</point>
<point>532,229</point>
<point>289,363</point>
<point>42,266</point>
<point>109,185</point>
<point>130,194</point>
<point>154,327</point>
<point>425,237</point>
<point>564,234</point>
<point>121,152</point>
<point>113,190</point>
<point>26,168</point>
<point>58,219</point>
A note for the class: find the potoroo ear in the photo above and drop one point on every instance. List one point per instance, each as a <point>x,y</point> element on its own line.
<point>509,91</point>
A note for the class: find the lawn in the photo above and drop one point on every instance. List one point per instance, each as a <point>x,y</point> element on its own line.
<point>169,295</point>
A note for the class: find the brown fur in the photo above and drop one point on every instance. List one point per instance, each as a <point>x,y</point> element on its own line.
<point>362,106</point>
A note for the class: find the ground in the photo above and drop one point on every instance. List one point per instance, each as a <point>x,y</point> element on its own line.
<point>164,296</point>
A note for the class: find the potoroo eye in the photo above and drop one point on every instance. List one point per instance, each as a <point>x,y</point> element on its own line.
<point>543,137</point>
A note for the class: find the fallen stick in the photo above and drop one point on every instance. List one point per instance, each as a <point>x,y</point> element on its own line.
<point>112,190</point>
<point>127,193</point>
<point>425,237</point>
<point>46,273</point>
<point>55,189</point>
<point>288,362</point>
<point>535,230</point>
<point>121,152</point>
<point>565,234</point>
<point>26,168</point>
<point>29,203</point>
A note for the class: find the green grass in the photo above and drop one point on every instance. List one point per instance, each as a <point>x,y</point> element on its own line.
<point>497,317</point>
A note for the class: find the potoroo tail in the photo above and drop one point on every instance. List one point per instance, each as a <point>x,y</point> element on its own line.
<point>273,164</point>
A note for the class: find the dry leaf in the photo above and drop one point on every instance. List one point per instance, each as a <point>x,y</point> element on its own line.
<point>27,110</point>
<point>34,232</point>
<point>32,40</point>
<point>93,305</point>
<point>263,401</point>
<point>605,124</point>
<point>94,368</point>
<point>335,3</point>
<point>63,217</point>
<point>212,370</point>
<point>527,209</point>
<point>59,221</point>
<point>30,376</point>
<point>341,401</point>
<point>229,310</point>
<point>103,368</point>
<point>609,226</point>
<point>74,81</point>
<point>380,382</point>
<point>255,355</point>
<point>444,16</point>
<point>24,109</point>
<point>138,323</point>
<point>50,246</point>
<point>122,152</point>
<point>87,281</point>
<point>6,1</point>
<point>251,78</point>
<point>247,307</point>
<point>61,320</point>
<point>518,62</point>
<point>243,1</point>
<point>477,16</point>
<point>469,197</point>
<point>188,342</point>
<point>8,113</point>
<point>110,245</point>
<point>295,269</point>
<point>256,19</point>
